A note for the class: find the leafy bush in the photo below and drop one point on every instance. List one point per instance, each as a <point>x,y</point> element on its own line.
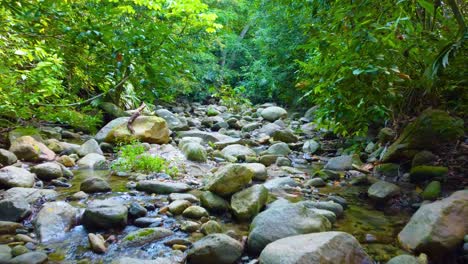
<point>87,120</point>
<point>134,158</point>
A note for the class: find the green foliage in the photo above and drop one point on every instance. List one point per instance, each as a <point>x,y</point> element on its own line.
<point>134,158</point>
<point>232,98</point>
<point>87,120</point>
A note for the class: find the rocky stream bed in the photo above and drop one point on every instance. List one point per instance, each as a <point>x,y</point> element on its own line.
<point>265,186</point>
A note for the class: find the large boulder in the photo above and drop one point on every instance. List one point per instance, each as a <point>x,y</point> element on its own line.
<point>48,171</point>
<point>151,129</point>
<point>54,220</point>
<point>215,249</point>
<point>30,195</point>
<point>158,187</point>
<point>143,236</point>
<point>342,163</point>
<point>92,161</point>
<point>284,220</point>
<point>213,202</point>
<point>14,210</point>
<point>431,129</point>
<point>207,137</point>
<point>28,149</point>
<point>174,123</point>
<point>105,214</point>
<point>247,203</point>
<point>7,157</point>
<point>229,179</point>
<point>323,248</point>
<point>237,151</point>
<point>438,227</point>
<point>15,177</point>
<point>273,113</point>
<point>95,185</point>
<point>90,146</point>
<point>382,191</point>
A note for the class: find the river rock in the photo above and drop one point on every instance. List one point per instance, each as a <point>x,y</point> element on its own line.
<point>7,227</point>
<point>382,191</point>
<point>95,185</point>
<point>284,220</point>
<point>92,161</point>
<point>229,179</point>
<point>260,171</point>
<point>280,183</point>
<point>5,254</point>
<point>28,149</point>
<point>30,258</point>
<point>54,220</point>
<point>213,202</point>
<point>237,151</point>
<point>14,210</point>
<point>154,186</point>
<point>178,206</point>
<point>285,135</point>
<point>247,203</point>
<point>143,236</point>
<point>342,163</point>
<point>48,171</point>
<point>147,221</point>
<point>105,214</point>
<point>207,137</point>
<point>136,210</point>
<point>215,249</point>
<point>183,196</point>
<point>30,195</point>
<point>331,206</point>
<point>7,157</point>
<point>90,146</point>
<point>195,212</point>
<point>11,176</point>
<point>126,260</point>
<point>404,259</point>
<point>273,113</point>
<point>194,151</point>
<point>323,248</point>
<point>279,149</point>
<point>97,243</point>
<point>439,227</point>
<point>151,129</point>
<point>432,191</point>
<point>174,123</point>
<point>211,227</point>
<point>316,182</point>
<point>310,146</point>
<point>423,173</point>
<point>431,129</point>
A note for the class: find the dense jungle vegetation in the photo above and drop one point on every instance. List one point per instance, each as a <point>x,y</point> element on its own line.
<point>362,63</point>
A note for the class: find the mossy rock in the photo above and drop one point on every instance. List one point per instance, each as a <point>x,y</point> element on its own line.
<point>432,191</point>
<point>422,173</point>
<point>391,170</point>
<point>431,129</point>
<point>145,235</point>
<point>113,110</point>
<point>423,158</point>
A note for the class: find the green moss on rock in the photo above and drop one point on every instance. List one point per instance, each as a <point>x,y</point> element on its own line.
<point>432,191</point>
<point>422,173</point>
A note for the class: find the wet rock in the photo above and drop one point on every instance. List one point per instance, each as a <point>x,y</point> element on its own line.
<point>154,186</point>
<point>279,149</point>
<point>30,195</point>
<point>136,210</point>
<point>283,161</point>
<point>11,176</point>
<point>195,212</point>
<point>229,179</point>
<point>149,129</point>
<point>260,171</point>
<point>342,163</point>
<point>438,227</point>
<point>432,191</point>
<point>423,158</point>
<point>178,206</point>
<point>251,127</point>
<point>90,146</point>
<point>7,227</point>
<point>280,183</point>
<point>324,248</point>
<point>213,202</point>
<point>126,260</point>
<point>14,210</point>
<point>79,196</point>
<point>143,236</point>
<point>66,161</point>
<point>285,135</point>
<point>54,220</point>
<point>331,206</point>
<point>92,161</point>
<point>247,203</point>
<point>97,243</point>
<point>104,214</point>
<point>28,149</point>
<point>30,258</point>
<point>404,259</point>
<point>189,226</point>
<point>431,129</point>
<point>7,157</point>
<point>5,254</point>
<point>95,185</point>
<point>422,173</point>
<point>174,123</point>
<point>390,170</point>
<point>310,146</point>
<point>183,196</point>
<point>268,159</point>
<point>147,221</point>
<point>207,137</point>
<point>237,151</point>
<point>282,221</point>
<point>194,151</point>
<point>48,171</point>
<point>382,191</point>
<point>211,227</point>
<point>273,113</point>
<point>215,249</point>
<point>315,182</point>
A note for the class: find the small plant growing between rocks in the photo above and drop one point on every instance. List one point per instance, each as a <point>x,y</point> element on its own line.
<point>134,158</point>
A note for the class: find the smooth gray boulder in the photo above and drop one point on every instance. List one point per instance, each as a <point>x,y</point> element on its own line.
<point>11,176</point>
<point>54,220</point>
<point>342,163</point>
<point>173,122</point>
<point>105,214</point>
<point>229,179</point>
<point>92,161</point>
<point>7,157</point>
<point>323,248</point>
<point>260,171</point>
<point>30,195</point>
<point>382,191</point>
<point>215,249</point>
<point>95,185</point>
<point>90,146</point>
<point>237,150</point>
<point>158,187</point>
<point>48,171</point>
<point>247,203</point>
<point>273,113</point>
<point>14,210</point>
